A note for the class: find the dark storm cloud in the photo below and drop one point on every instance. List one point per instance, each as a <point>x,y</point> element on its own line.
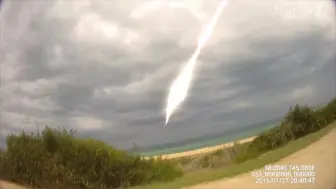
<point>93,67</point>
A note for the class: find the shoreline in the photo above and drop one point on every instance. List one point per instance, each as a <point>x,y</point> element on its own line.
<point>216,141</point>
<point>200,150</point>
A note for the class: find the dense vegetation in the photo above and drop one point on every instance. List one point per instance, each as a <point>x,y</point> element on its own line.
<point>298,122</point>
<point>56,159</point>
<point>234,169</point>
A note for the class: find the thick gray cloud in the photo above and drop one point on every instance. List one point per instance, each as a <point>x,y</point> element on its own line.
<point>104,68</point>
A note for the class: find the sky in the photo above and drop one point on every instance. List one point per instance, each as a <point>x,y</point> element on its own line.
<point>104,68</point>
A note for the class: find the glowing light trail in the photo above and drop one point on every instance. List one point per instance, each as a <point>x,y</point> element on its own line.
<point>179,88</point>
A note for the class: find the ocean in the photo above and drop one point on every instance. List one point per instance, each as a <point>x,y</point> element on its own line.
<point>229,136</point>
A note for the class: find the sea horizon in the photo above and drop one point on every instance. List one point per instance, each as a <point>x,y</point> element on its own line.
<point>209,141</point>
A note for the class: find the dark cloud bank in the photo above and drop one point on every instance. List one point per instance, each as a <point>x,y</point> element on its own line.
<point>104,68</point>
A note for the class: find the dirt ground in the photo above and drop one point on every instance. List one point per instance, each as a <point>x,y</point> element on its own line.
<point>7,185</point>
<point>322,154</point>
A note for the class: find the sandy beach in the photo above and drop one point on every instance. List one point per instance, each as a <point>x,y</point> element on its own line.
<point>201,150</point>
<point>321,154</point>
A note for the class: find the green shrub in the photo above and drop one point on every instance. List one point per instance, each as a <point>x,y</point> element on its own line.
<point>56,159</point>
<point>327,114</point>
<point>221,157</point>
<point>2,163</point>
<point>219,153</point>
<point>205,162</point>
<point>298,122</point>
<point>302,120</point>
<point>184,160</point>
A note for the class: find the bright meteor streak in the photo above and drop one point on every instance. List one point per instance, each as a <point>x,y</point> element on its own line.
<point>179,88</point>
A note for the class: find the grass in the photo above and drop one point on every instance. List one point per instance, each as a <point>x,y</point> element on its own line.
<point>56,158</point>
<point>213,160</point>
<point>236,169</point>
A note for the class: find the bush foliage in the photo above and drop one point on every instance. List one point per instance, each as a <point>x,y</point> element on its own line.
<point>298,122</point>
<point>56,159</point>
